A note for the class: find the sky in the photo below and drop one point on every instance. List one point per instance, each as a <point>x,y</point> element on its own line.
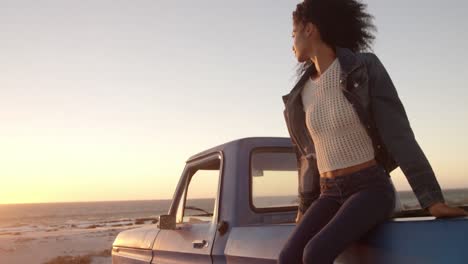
<point>105,100</point>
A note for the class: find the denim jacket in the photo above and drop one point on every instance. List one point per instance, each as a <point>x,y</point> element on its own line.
<point>366,84</point>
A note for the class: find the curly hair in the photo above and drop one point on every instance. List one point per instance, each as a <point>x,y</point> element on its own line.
<point>343,23</point>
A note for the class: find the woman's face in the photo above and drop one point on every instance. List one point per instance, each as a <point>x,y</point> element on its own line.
<point>299,41</point>
<point>302,41</point>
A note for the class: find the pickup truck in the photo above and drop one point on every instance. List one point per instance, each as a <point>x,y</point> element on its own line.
<point>237,203</point>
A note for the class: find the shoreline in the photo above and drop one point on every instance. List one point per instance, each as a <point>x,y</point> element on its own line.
<point>91,244</point>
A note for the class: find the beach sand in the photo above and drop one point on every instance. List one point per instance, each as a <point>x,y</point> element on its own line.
<point>89,245</point>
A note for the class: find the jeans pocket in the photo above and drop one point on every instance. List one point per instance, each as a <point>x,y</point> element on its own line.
<point>391,195</point>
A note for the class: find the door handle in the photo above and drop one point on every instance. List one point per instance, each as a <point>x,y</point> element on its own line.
<point>199,243</point>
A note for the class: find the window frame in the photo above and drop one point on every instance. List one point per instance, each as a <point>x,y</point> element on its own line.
<point>191,168</point>
<point>401,214</point>
<point>278,209</point>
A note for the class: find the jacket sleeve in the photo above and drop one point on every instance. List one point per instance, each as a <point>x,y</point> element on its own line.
<point>307,169</point>
<point>395,131</point>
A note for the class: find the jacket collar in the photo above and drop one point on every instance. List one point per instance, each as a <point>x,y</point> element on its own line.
<point>347,58</point>
<point>348,62</point>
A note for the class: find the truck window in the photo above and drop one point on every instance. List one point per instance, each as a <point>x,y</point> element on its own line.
<point>274,178</point>
<point>274,185</point>
<point>200,194</point>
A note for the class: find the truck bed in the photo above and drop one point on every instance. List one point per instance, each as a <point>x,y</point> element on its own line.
<point>399,240</point>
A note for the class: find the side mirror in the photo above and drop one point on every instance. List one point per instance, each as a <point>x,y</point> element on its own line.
<point>167,222</point>
<point>257,172</point>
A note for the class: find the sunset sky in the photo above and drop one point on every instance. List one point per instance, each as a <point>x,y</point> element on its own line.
<point>105,100</point>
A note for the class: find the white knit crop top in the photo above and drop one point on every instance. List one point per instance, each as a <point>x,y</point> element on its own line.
<point>340,139</point>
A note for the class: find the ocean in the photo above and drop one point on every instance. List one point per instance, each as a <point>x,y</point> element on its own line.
<point>24,218</point>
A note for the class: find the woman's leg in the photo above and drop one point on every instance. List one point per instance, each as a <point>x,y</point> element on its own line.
<point>317,215</point>
<point>362,211</point>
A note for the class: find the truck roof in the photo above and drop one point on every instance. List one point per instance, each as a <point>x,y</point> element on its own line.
<point>246,142</point>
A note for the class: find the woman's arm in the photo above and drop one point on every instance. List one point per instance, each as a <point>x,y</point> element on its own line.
<point>308,175</point>
<point>305,196</point>
<point>395,131</point>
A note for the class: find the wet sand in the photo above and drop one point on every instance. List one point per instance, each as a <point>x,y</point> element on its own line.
<point>89,245</point>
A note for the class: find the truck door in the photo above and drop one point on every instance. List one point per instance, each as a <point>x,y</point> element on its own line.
<point>197,217</point>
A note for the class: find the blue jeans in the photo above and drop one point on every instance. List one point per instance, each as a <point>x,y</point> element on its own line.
<point>348,207</point>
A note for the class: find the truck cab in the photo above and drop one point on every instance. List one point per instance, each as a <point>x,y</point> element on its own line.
<point>237,203</point>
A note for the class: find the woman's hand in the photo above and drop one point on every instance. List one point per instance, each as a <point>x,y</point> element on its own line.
<point>442,210</point>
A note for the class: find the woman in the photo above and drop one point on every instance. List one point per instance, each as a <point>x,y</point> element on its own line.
<point>349,130</point>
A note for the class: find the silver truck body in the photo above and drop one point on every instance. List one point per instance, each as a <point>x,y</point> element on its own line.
<point>238,233</point>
